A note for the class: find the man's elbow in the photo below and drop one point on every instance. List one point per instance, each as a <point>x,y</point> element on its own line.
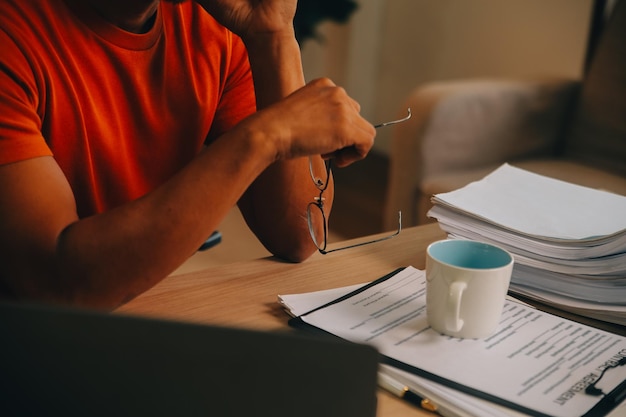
<point>295,252</point>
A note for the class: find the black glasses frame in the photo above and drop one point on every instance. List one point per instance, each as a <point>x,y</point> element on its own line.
<point>318,204</point>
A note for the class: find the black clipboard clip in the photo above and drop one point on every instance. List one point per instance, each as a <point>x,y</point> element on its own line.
<point>610,400</point>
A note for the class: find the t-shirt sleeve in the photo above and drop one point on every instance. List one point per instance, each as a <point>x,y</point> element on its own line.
<point>20,123</point>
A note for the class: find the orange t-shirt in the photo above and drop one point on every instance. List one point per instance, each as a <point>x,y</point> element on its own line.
<point>120,112</point>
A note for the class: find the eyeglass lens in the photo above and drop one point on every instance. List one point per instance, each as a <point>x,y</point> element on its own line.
<point>316,217</point>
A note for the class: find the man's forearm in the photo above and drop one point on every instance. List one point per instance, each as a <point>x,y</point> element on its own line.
<point>277,72</point>
<point>276,67</point>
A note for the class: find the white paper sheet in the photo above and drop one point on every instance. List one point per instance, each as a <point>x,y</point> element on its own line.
<point>541,206</point>
<point>451,403</point>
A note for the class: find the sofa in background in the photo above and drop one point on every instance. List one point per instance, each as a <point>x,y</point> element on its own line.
<point>574,130</point>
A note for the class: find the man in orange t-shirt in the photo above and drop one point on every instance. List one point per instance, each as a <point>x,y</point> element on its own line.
<point>128,130</point>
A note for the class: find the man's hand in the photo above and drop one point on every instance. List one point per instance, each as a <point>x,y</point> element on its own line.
<point>318,119</point>
<point>248,18</point>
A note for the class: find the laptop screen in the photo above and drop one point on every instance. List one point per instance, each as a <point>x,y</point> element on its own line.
<point>58,361</point>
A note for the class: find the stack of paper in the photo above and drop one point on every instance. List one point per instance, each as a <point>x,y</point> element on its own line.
<point>569,242</point>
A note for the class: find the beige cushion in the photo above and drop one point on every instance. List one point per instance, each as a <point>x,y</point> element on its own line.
<point>468,124</point>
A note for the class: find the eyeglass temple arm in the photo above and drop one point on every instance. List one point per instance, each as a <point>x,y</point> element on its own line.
<point>396,233</point>
<point>393,122</point>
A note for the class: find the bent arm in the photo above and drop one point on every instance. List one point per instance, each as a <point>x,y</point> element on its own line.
<point>275,205</point>
<point>48,254</point>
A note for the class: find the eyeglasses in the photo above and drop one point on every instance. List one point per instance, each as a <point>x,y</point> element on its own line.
<point>315,209</point>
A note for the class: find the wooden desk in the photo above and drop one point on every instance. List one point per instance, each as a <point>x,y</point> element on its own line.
<point>245,294</point>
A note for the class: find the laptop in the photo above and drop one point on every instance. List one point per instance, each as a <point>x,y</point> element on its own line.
<point>68,362</point>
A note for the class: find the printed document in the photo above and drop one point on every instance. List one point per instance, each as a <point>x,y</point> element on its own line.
<point>535,362</point>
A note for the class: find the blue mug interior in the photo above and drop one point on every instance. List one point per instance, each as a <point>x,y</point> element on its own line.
<point>469,254</point>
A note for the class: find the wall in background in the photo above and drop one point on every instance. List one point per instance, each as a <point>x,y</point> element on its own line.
<point>391,46</point>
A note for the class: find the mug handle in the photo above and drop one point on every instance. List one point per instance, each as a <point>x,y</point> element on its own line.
<point>454,323</point>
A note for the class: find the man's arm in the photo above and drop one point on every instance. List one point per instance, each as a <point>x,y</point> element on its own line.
<point>275,205</point>
<point>47,253</point>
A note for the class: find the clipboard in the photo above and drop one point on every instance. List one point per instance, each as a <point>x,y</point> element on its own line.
<point>600,407</point>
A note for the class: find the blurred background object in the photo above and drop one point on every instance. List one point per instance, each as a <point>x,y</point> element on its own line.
<point>311,13</point>
<point>389,47</point>
<point>573,129</point>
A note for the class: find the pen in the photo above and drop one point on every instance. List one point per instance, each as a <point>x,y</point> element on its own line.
<point>403,392</point>
<point>214,239</point>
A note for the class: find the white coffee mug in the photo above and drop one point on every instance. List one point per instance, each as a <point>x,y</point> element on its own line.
<point>466,286</point>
